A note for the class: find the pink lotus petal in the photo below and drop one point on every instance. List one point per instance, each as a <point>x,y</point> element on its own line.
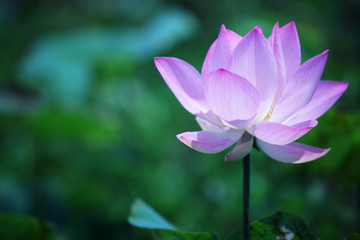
<point>234,39</point>
<point>326,94</point>
<point>184,81</point>
<point>293,152</point>
<point>231,97</point>
<point>276,133</point>
<point>211,118</point>
<point>290,48</point>
<point>299,90</point>
<point>254,60</point>
<point>209,126</point>
<point>274,34</point>
<point>258,28</point>
<point>275,42</point>
<point>242,148</point>
<point>219,54</point>
<point>209,142</point>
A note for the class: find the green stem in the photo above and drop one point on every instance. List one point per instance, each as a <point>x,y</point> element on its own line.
<point>246,196</point>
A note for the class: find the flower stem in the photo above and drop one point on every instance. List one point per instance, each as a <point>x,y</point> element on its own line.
<point>246,196</point>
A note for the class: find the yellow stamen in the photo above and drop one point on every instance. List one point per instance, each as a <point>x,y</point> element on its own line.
<point>268,115</point>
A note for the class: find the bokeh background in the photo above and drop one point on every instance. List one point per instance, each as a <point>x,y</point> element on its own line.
<point>87,124</point>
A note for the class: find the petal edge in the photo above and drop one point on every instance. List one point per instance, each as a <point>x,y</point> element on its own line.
<point>293,152</point>
<point>279,134</point>
<point>184,81</point>
<point>209,142</point>
<point>325,95</point>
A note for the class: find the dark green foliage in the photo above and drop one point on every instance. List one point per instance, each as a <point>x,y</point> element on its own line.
<point>353,236</point>
<point>16,227</point>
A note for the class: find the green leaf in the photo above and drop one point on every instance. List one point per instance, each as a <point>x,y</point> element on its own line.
<point>278,226</point>
<point>353,236</point>
<point>182,235</point>
<point>142,215</point>
<point>14,227</point>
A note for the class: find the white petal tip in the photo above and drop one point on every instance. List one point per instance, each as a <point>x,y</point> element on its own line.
<point>308,157</point>
<point>294,153</point>
<point>208,142</point>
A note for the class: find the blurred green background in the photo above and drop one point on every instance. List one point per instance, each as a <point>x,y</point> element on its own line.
<point>87,124</point>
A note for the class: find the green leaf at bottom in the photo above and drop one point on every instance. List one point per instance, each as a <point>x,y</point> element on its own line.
<point>278,226</point>
<point>142,215</point>
<point>183,235</point>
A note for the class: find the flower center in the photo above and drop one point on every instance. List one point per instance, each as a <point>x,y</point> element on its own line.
<point>268,115</point>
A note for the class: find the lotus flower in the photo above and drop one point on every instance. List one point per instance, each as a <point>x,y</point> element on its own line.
<point>253,88</point>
